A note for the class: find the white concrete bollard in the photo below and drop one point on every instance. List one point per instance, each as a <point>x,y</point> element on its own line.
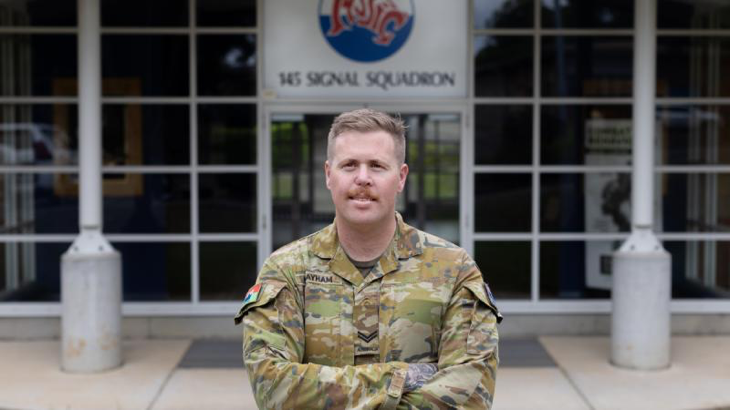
<point>91,292</point>
<point>641,321</point>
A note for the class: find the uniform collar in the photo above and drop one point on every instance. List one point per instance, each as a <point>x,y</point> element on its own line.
<point>406,243</point>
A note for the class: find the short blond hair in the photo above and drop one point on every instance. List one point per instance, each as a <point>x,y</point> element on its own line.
<point>369,120</point>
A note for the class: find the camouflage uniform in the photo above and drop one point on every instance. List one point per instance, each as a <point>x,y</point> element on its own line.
<point>318,335</point>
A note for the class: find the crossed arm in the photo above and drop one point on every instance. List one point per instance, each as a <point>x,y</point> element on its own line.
<point>274,351</point>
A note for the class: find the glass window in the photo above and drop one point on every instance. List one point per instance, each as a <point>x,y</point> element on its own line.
<point>502,202</point>
<point>31,272</point>
<point>143,134</point>
<point>145,65</point>
<point>227,64</point>
<point>151,203</point>
<point>683,14</point>
<point>587,14</point>
<point>227,134</point>
<point>576,269</point>
<point>585,134</point>
<point>503,66</point>
<point>38,204</point>
<point>700,269</point>
<point>503,134</point>
<point>587,66</point>
<point>227,203</point>
<point>506,267</point>
<point>432,190</point>
<point>39,64</point>
<point>142,13</point>
<point>226,13</point>
<point>695,202</point>
<point>503,14</point>
<point>58,13</point>
<point>693,66</point>
<point>153,271</point>
<point>227,270</point>
<point>591,202</point>
<point>694,135</point>
<point>38,134</point>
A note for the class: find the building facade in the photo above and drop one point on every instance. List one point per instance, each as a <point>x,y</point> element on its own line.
<point>216,112</point>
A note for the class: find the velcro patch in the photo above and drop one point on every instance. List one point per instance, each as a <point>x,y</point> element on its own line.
<point>253,294</point>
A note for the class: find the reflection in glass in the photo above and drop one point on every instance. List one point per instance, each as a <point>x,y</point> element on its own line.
<point>128,71</point>
<point>143,13</point>
<point>227,203</point>
<point>37,203</point>
<point>503,66</point>
<point>225,13</point>
<point>30,272</point>
<point>36,135</point>
<point>503,14</point>
<point>227,64</point>
<point>34,64</point>
<point>700,269</point>
<point>585,134</point>
<point>151,203</point>
<point>226,134</point>
<point>694,135</point>
<point>227,269</point>
<point>591,202</point>
<point>154,271</point>
<point>302,204</point>
<point>587,14</point>
<point>502,202</point>
<point>503,134</point>
<point>506,267</point>
<point>683,14</point>
<point>587,66</point>
<point>693,66</point>
<point>576,269</point>
<point>56,13</point>
<point>145,134</point>
<point>696,202</point>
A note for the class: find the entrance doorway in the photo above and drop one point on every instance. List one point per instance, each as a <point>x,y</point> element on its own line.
<point>301,204</point>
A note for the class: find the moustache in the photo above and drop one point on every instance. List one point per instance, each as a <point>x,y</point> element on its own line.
<point>360,193</point>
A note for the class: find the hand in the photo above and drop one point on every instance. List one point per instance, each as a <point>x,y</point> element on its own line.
<point>418,374</point>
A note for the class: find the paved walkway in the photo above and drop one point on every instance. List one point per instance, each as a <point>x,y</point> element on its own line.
<point>169,374</point>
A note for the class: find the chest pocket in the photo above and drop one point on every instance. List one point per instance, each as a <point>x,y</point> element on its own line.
<point>411,320</point>
<point>322,319</point>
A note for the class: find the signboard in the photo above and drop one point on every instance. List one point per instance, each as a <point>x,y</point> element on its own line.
<point>365,48</point>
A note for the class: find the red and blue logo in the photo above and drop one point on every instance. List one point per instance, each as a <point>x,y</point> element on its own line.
<point>366,30</point>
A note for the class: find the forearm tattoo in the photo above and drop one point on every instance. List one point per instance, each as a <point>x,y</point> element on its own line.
<point>418,374</point>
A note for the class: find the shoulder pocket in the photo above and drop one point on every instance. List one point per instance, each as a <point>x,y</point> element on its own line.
<point>260,294</point>
<point>482,336</point>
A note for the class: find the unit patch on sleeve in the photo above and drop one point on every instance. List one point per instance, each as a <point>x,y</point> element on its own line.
<point>253,294</point>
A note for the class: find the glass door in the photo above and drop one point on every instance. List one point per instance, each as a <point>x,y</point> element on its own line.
<point>301,204</point>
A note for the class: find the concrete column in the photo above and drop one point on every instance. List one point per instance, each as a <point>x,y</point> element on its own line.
<point>640,328</point>
<point>91,269</point>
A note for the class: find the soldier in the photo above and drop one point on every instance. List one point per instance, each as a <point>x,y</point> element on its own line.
<point>369,312</point>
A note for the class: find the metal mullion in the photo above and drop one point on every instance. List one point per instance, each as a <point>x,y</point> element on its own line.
<point>582,236</point>
<point>38,100</point>
<point>598,32</point>
<point>226,100</point>
<point>536,118</point>
<point>38,30</point>
<point>227,30</point>
<point>693,236</point>
<point>40,238</point>
<point>173,31</point>
<point>502,169</point>
<point>145,100</point>
<point>468,137</point>
<point>142,237</point>
<point>227,169</point>
<point>501,31</point>
<point>228,237</point>
<point>30,169</point>
<point>668,101</point>
<point>502,237</point>
<point>693,169</point>
<point>145,169</point>
<point>193,137</point>
<point>503,100</point>
<point>264,219</point>
<point>693,32</point>
<point>583,169</point>
<point>586,101</point>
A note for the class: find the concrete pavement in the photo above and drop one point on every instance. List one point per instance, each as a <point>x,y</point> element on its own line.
<point>580,378</point>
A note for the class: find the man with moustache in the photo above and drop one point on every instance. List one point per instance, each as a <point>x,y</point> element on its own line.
<point>369,312</point>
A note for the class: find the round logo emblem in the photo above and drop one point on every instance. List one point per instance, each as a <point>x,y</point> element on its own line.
<point>366,30</point>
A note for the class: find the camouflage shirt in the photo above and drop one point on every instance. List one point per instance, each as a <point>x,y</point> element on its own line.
<point>318,335</point>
